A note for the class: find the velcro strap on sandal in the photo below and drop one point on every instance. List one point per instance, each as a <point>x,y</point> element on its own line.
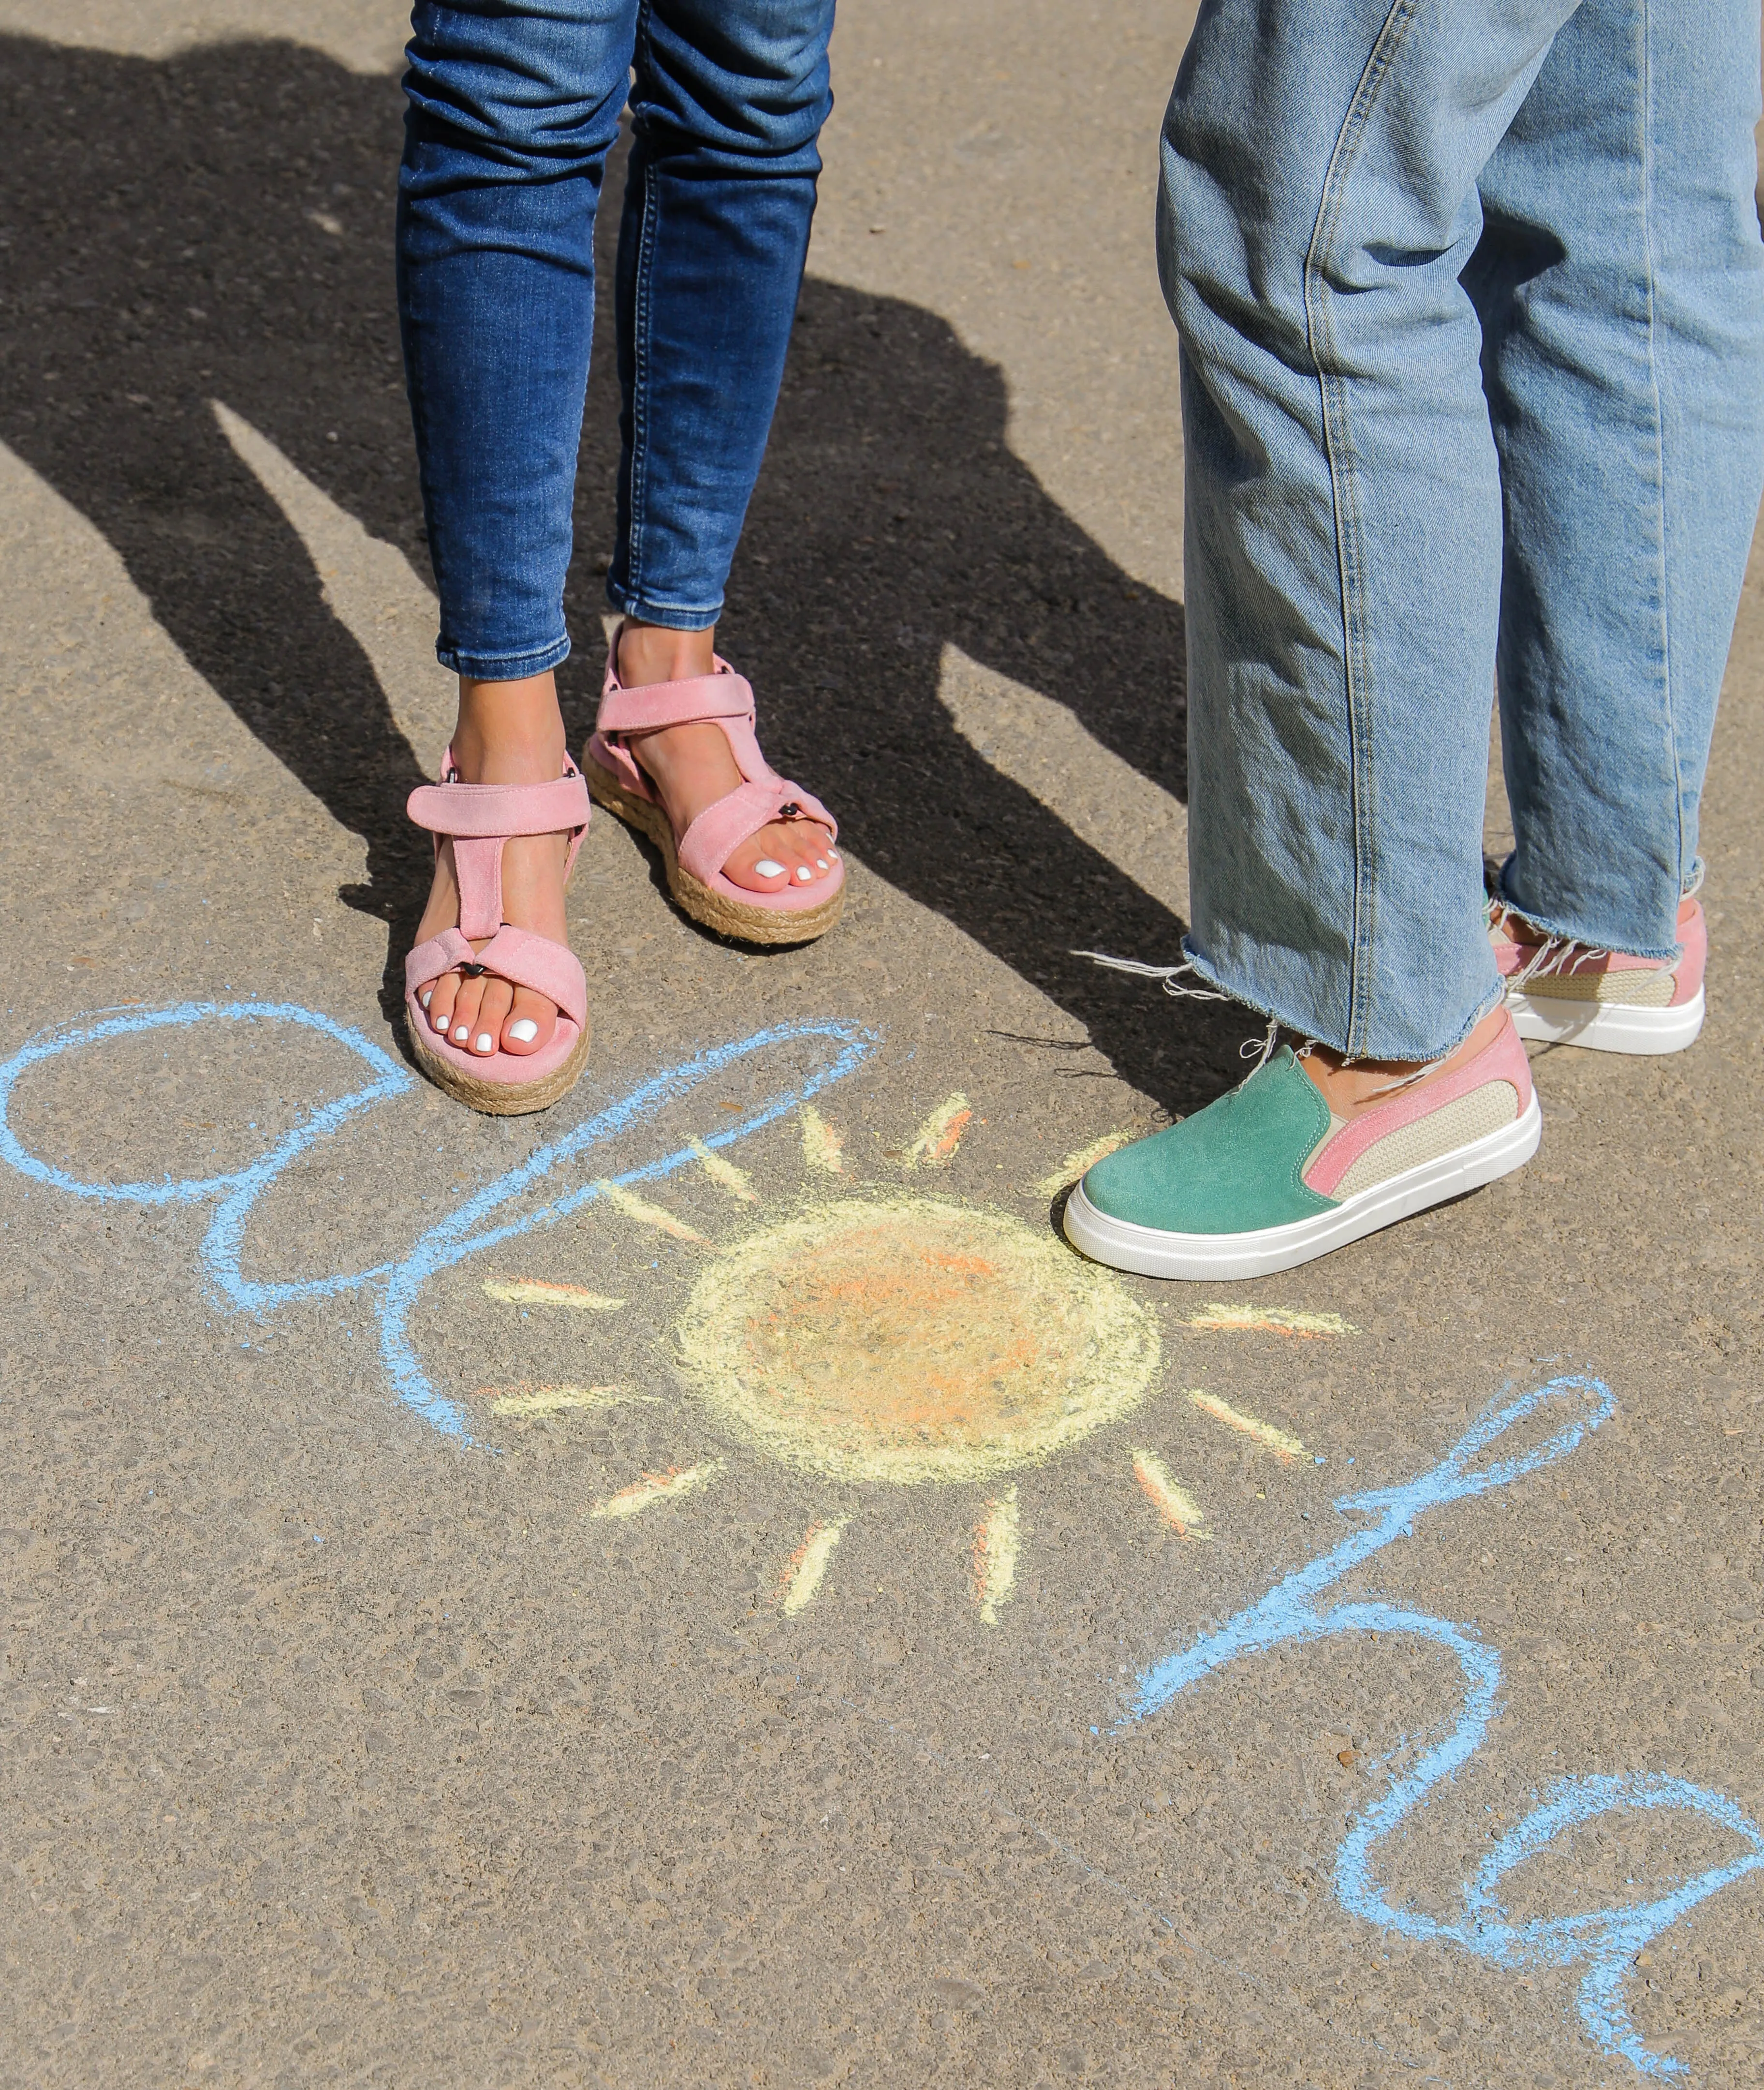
<point>654,705</point>
<point>515,955</point>
<point>439,955</point>
<point>551,969</point>
<point>720,829</point>
<point>486,810</point>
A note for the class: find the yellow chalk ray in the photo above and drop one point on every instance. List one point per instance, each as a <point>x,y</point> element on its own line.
<point>997,1542</point>
<point>1215,1318</point>
<point>1281,1443</point>
<point>807,1565</point>
<point>723,1173</point>
<point>1172,1500</point>
<point>541,1291</point>
<point>655,1488</point>
<point>525,1402</point>
<point>647,1214</point>
<point>1074,1165</point>
<point>821,1146</point>
<point>938,1138</point>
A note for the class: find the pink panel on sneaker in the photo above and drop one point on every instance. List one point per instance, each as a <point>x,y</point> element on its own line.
<point>1503,1060</point>
<point>1693,934</point>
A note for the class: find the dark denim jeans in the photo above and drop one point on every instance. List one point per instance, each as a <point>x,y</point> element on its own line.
<point>513,106</point>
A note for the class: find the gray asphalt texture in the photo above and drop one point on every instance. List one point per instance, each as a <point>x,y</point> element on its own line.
<point>351,1733</point>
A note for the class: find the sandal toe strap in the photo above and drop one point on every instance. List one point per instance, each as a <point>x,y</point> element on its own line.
<point>706,845</point>
<point>552,969</point>
<point>515,955</point>
<point>428,960</point>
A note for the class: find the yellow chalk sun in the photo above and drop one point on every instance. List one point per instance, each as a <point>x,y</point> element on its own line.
<point>894,1339</point>
<point>909,1340</point>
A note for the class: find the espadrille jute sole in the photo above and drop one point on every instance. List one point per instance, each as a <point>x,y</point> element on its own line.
<point>712,910</point>
<point>497,1099</point>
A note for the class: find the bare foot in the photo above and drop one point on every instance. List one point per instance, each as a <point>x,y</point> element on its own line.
<point>691,766</point>
<point>508,732</point>
<point>1349,1089</point>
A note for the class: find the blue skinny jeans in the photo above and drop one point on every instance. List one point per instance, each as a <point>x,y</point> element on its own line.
<point>512,107</point>
<point>1470,296</point>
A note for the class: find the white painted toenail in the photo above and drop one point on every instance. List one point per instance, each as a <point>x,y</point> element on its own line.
<point>486,1043</point>
<point>428,995</point>
<point>463,1030</point>
<point>822,861</point>
<point>525,1031</point>
<point>832,852</point>
<point>767,869</point>
<point>804,873</point>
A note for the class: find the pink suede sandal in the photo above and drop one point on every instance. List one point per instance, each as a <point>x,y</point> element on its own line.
<point>793,914</point>
<point>480,818</point>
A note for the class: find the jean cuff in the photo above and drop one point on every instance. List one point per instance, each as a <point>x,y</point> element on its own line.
<point>503,667</point>
<point>1563,932</point>
<point>1203,970</point>
<point>672,615</point>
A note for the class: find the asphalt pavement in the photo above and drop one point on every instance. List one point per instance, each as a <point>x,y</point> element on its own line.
<point>703,1587</point>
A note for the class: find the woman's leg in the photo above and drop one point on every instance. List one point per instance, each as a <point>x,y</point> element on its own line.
<point>728,102</point>
<point>513,106</point>
<point>1343,521</point>
<point>1620,279</point>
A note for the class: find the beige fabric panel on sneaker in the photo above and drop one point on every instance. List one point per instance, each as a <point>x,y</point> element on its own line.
<point>1631,990</point>
<point>1484,1111</point>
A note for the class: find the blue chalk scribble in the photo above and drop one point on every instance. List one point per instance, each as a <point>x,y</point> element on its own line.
<point>394,1286</point>
<point>1606,1940</point>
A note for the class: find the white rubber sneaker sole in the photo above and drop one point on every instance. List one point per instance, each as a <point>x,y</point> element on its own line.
<point>1608,1026</point>
<point>1150,1252</point>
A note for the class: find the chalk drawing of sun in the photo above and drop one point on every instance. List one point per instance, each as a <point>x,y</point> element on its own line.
<point>907,1340</point>
<point>892,1339</point>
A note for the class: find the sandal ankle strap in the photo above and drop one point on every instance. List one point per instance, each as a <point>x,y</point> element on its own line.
<point>651,706</point>
<point>502,809</point>
<point>480,818</point>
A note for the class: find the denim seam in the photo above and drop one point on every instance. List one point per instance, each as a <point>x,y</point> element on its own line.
<point>1338,449</point>
<point>640,357</point>
<point>1646,54</point>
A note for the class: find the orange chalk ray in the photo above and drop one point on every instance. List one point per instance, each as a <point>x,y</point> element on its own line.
<point>1172,1500</point>
<point>1269,1435</point>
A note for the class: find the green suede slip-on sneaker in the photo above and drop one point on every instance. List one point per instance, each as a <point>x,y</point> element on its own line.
<point>1268,1177</point>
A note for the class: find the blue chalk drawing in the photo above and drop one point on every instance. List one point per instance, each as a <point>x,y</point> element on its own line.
<point>394,1286</point>
<point>1606,1939</point>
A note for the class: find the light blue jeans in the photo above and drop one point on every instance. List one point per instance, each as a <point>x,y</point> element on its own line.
<point>1471,301</point>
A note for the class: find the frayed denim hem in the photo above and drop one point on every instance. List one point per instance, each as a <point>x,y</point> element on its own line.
<point>669,615</point>
<point>1203,970</point>
<point>1563,932</point>
<point>504,667</point>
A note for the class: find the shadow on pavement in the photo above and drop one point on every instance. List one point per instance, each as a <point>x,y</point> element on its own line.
<point>218,225</point>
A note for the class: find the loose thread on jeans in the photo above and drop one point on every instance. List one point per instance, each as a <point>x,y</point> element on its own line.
<point>1557,955</point>
<point>1260,1049</point>
<point>1554,956</point>
<point>1171,975</point>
